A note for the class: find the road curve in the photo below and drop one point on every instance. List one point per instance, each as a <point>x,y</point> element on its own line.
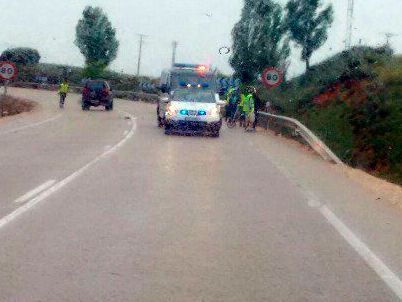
<point>179,218</point>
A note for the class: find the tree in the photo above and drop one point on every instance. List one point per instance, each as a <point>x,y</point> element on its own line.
<point>308,25</point>
<point>259,39</point>
<point>21,55</point>
<point>96,39</point>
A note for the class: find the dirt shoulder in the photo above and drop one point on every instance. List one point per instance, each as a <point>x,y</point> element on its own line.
<point>10,105</point>
<point>381,189</point>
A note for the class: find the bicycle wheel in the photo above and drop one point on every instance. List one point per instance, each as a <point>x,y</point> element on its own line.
<point>231,123</point>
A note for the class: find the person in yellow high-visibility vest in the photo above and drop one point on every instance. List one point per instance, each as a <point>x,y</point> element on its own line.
<point>241,111</point>
<point>63,90</point>
<point>248,109</point>
<point>227,107</point>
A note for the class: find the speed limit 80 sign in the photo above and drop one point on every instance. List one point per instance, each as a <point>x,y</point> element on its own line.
<point>272,77</point>
<point>8,71</point>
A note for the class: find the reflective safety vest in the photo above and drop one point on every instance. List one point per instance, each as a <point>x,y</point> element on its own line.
<point>241,104</point>
<point>248,104</point>
<point>63,88</point>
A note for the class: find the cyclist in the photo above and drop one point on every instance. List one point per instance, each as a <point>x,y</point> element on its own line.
<point>63,90</point>
<point>232,103</point>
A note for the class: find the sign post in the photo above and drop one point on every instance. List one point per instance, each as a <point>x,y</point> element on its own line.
<point>272,77</point>
<point>8,71</point>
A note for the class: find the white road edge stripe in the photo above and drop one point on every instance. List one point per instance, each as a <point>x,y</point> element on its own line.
<point>31,125</point>
<point>372,260</point>
<point>35,191</point>
<point>392,280</point>
<point>29,205</point>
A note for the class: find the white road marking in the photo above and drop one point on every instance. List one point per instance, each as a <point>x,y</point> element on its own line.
<point>31,125</point>
<point>125,132</point>
<point>107,147</point>
<point>372,260</point>
<point>35,191</point>
<point>392,280</point>
<point>30,204</point>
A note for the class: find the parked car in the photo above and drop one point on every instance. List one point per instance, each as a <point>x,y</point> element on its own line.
<point>97,93</point>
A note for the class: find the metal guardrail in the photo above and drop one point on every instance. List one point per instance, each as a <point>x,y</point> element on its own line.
<point>299,129</point>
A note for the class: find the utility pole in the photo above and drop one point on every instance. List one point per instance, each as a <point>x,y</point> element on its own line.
<point>140,53</point>
<point>349,29</point>
<point>174,44</point>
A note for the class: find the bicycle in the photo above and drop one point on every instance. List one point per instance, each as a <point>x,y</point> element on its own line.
<point>232,120</point>
<point>62,100</point>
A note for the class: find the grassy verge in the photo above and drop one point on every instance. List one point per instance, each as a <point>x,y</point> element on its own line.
<point>353,102</point>
<point>11,106</point>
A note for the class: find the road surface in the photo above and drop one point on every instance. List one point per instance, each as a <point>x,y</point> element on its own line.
<point>102,206</point>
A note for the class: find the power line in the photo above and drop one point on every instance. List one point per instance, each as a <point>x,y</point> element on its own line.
<point>349,29</point>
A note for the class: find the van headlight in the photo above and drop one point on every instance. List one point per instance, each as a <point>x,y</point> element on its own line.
<point>214,112</point>
<point>171,110</point>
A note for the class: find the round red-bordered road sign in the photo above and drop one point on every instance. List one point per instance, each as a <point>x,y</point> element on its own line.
<point>272,77</point>
<point>8,70</point>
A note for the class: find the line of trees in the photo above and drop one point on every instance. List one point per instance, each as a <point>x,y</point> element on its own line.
<point>95,37</point>
<point>262,36</point>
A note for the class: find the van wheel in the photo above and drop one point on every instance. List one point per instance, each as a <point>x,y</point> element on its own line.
<point>109,107</point>
<point>168,130</point>
<point>215,134</point>
<point>85,107</point>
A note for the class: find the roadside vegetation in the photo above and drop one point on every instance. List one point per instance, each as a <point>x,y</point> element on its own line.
<point>96,39</point>
<point>11,106</point>
<point>352,101</point>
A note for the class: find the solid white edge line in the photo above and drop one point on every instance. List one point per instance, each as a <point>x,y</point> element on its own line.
<point>375,263</point>
<point>35,191</point>
<point>21,210</point>
<point>31,125</point>
<point>392,280</point>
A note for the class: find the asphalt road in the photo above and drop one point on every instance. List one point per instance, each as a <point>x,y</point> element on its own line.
<point>128,214</point>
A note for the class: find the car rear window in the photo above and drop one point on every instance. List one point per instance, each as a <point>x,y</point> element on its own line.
<point>95,85</point>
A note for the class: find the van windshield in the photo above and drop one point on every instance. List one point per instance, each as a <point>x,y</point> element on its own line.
<point>193,95</point>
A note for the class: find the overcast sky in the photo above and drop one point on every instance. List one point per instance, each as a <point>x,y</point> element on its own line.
<point>49,26</point>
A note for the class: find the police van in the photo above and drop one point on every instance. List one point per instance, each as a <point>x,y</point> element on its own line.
<point>189,100</point>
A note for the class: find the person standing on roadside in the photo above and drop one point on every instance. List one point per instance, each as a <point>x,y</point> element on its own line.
<point>229,94</point>
<point>248,109</point>
<point>256,102</point>
<point>63,90</point>
<point>240,108</point>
